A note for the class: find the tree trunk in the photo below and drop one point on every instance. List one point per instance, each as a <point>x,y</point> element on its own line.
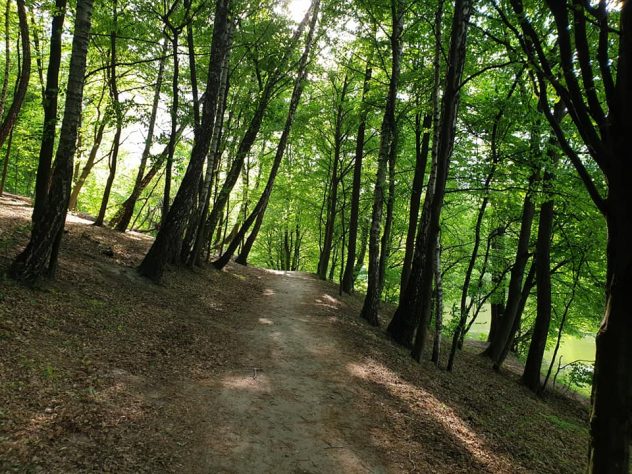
<point>193,69</point>
<point>533,366</point>
<point>124,214</point>
<point>390,205</point>
<point>422,147</point>
<point>436,344</point>
<point>47,230</point>
<point>404,322</point>
<point>7,57</point>
<point>450,103</point>
<point>610,420</point>
<point>51,93</point>
<point>23,80</point>
<point>116,104</point>
<point>388,131</point>
<point>507,326</point>
<point>261,205</point>
<point>332,200</point>
<point>85,171</point>
<point>197,225</point>
<point>349,272</point>
<point>166,246</point>
<point>5,165</point>
<point>171,147</point>
<point>247,141</point>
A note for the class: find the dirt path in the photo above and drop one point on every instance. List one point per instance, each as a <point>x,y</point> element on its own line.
<point>290,408</point>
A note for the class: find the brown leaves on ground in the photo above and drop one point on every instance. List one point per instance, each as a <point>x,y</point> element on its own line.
<point>96,369</point>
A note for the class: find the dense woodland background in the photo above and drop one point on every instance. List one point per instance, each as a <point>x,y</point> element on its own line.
<point>454,159</point>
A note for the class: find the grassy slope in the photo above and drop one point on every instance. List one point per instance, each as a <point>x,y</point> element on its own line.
<point>83,357</point>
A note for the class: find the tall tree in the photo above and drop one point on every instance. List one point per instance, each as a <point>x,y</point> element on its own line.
<point>40,254</point>
<point>533,364</point>
<point>51,93</point>
<point>354,213</point>
<point>117,108</point>
<point>334,180</point>
<point>250,135</point>
<point>167,244</point>
<point>404,322</point>
<point>450,105</point>
<point>124,214</point>
<point>606,137</point>
<point>25,74</point>
<point>262,203</point>
<point>388,131</point>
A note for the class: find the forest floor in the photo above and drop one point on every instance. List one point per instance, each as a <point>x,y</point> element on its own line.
<point>244,370</point>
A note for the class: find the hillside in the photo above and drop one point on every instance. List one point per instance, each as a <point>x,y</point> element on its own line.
<point>245,370</point>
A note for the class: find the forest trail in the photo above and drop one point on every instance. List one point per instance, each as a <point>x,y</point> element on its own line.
<point>292,408</point>
<point>241,371</point>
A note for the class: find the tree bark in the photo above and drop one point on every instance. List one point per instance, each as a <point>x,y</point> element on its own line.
<point>197,224</point>
<point>173,111</point>
<point>167,244</point>
<point>531,375</point>
<point>47,230</point>
<point>247,141</point>
<point>7,57</point>
<point>388,131</point>
<point>422,147</point>
<point>404,322</point>
<point>23,80</point>
<point>262,203</point>
<point>50,108</point>
<point>124,214</point>
<point>436,343</point>
<point>390,206</point>
<point>450,103</point>
<point>85,171</point>
<point>332,198</point>
<point>118,113</point>
<point>507,326</point>
<point>349,275</point>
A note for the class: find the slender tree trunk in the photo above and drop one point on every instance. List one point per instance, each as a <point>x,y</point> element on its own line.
<point>197,226</point>
<point>118,112</point>
<point>371,304</point>
<point>47,230</point>
<point>497,305</point>
<point>332,200</point>
<point>436,345</point>
<point>23,80</point>
<point>450,103</point>
<point>533,366</point>
<point>38,55</point>
<point>247,141</point>
<point>5,165</point>
<point>364,243</point>
<point>85,171</point>
<point>175,91</point>
<point>505,330</point>
<point>123,216</point>
<point>193,69</point>
<point>51,93</point>
<point>7,57</point>
<point>166,246</point>
<point>422,147</point>
<point>390,206</point>
<point>354,215</point>
<point>261,205</point>
<point>404,322</point>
